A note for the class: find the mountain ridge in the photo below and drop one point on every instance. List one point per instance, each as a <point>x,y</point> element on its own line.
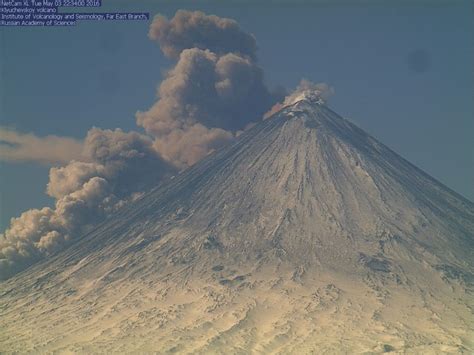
<point>305,228</point>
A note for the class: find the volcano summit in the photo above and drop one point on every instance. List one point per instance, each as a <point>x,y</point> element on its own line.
<point>306,235</point>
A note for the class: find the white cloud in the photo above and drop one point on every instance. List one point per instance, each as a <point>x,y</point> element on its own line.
<point>305,89</point>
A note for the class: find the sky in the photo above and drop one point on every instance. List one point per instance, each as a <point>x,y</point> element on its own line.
<point>400,70</point>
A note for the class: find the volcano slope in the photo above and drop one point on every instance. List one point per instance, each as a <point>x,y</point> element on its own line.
<point>305,236</point>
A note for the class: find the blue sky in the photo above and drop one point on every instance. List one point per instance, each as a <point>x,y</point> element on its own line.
<point>401,70</point>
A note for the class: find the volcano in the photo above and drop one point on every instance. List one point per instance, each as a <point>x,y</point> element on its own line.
<point>307,235</point>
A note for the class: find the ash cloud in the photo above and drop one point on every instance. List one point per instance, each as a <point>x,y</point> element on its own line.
<point>16,146</point>
<point>213,93</point>
<point>117,166</point>
<point>215,89</point>
<point>194,29</point>
<point>185,146</point>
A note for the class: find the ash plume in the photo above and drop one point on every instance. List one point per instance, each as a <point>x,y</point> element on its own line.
<point>16,146</point>
<point>213,93</point>
<point>215,89</point>
<point>116,168</point>
<point>195,29</point>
